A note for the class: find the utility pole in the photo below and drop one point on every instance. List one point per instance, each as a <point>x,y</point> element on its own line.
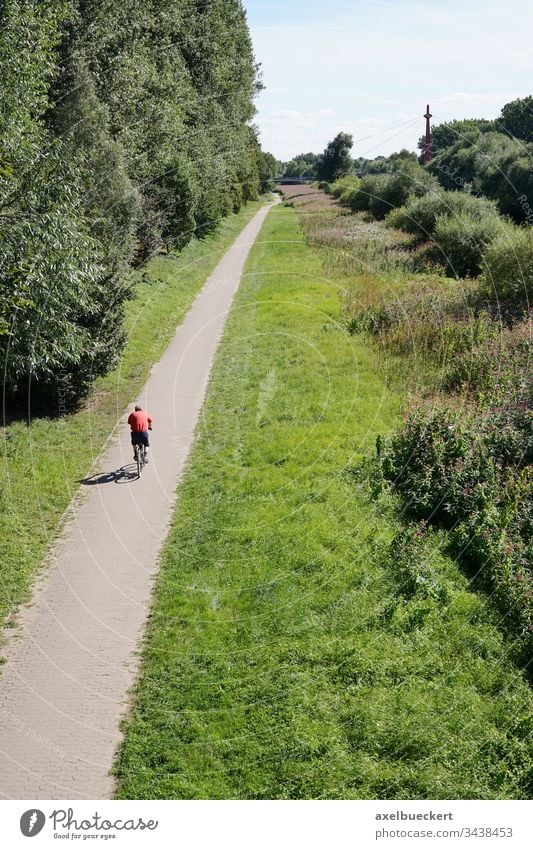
<point>427,150</point>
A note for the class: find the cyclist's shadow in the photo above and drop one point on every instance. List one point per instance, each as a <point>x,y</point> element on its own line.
<point>126,474</point>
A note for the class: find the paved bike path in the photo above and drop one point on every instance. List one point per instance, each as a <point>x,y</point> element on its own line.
<point>74,656</point>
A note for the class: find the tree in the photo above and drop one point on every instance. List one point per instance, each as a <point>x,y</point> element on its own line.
<point>269,171</point>
<point>491,164</point>
<point>336,160</point>
<point>123,127</point>
<point>303,166</point>
<point>517,119</point>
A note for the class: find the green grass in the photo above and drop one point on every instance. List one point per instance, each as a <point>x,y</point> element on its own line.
<point>282,659</point>
<point>42,463</point>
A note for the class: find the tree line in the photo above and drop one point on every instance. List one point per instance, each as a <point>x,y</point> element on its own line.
<point>124,128</point>
<point>490,158</point>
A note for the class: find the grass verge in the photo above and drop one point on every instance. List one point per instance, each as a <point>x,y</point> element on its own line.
<point>42,461</point>
<point>283,659</point>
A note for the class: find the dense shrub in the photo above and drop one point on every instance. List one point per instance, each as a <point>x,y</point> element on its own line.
<point>419,215</point>
<point>461,241</point>
<point>472,475</point>
<point>507,265</point>
<point>439,467</point>
<point>493,164</point>
<point>369,186</point>
<point>411,559</point>
<point>339,187</point>
<point>496,544</point>
<point>349,196</point>
<point>448,133</point>
<point>500,361</point>
<point>393,190</point>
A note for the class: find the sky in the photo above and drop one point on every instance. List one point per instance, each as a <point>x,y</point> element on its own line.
<point>370,67</point>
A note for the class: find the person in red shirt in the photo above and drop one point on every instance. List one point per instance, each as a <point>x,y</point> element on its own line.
<point>140,423</point>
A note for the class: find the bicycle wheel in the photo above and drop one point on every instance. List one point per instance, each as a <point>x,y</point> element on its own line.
<point>138,452</point>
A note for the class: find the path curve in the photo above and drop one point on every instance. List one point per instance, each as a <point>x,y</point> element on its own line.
<point>74,656</point>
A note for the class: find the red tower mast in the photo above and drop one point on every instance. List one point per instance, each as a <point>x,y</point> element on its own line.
<point>427,150</point>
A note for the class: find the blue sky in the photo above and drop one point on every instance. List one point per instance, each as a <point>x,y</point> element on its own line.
<point>369,67</point>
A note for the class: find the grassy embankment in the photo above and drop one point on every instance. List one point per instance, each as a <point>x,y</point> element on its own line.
<point>463,461</point>
<point>43,463</point>
<point>283,659</point>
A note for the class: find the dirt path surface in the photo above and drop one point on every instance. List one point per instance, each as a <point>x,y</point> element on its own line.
<point>70,663</point>
<point>306,198</point>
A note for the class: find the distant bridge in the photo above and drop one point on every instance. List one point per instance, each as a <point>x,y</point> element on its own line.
<point>294,181</point>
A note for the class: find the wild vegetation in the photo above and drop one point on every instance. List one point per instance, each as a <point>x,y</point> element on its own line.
<point>124,129</point>
<point>463,461</point>
<point>490,158</point>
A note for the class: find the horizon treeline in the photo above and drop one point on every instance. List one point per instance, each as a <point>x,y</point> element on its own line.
<point>124,128</point>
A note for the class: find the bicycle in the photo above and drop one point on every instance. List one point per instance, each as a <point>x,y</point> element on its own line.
<point>140,457</point>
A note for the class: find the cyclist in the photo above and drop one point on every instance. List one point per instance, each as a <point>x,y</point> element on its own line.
<point>140,423</point>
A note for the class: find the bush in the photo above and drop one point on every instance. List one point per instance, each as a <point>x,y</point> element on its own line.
<point>411,558</point>
<point>419,215</point>
<point>495,363</point>
<point>439,466</point>
<point>369,187</point>
<point>461,241</point>
<point>339,187</point>
<point>471,475</point>
<point>394,189</point>
<point>499,558</point>
<point>349,197</point>
<point>507,265</point>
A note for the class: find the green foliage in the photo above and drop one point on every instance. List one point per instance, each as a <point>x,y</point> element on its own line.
<point>411,559</point>
<point>508,266</point>
<point>269,171</point>
<point>115,140</point>
<point>382,191</point>
<point>496,361</point>
<point>460,242</point>
<point>302,166</point>
<point>340,188</point>
<point>336,161</point>
<point>48,258</point>
<point>446,134</point>
<point>419,215</point>
<point>493,165</point>
<point>382,164</point>
<point>517,118</point>
<point>360,200</point>
<point>49,262</point>
<point>492,157</point>
<point>391,191</point>
<point>472,475</point>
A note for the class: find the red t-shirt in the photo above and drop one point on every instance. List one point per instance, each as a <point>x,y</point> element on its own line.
<point>139,421</point>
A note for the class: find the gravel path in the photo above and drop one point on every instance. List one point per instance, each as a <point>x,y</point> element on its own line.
<point>74,656</point>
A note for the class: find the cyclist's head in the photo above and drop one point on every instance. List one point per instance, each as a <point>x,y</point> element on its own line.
<point>137,408</point>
